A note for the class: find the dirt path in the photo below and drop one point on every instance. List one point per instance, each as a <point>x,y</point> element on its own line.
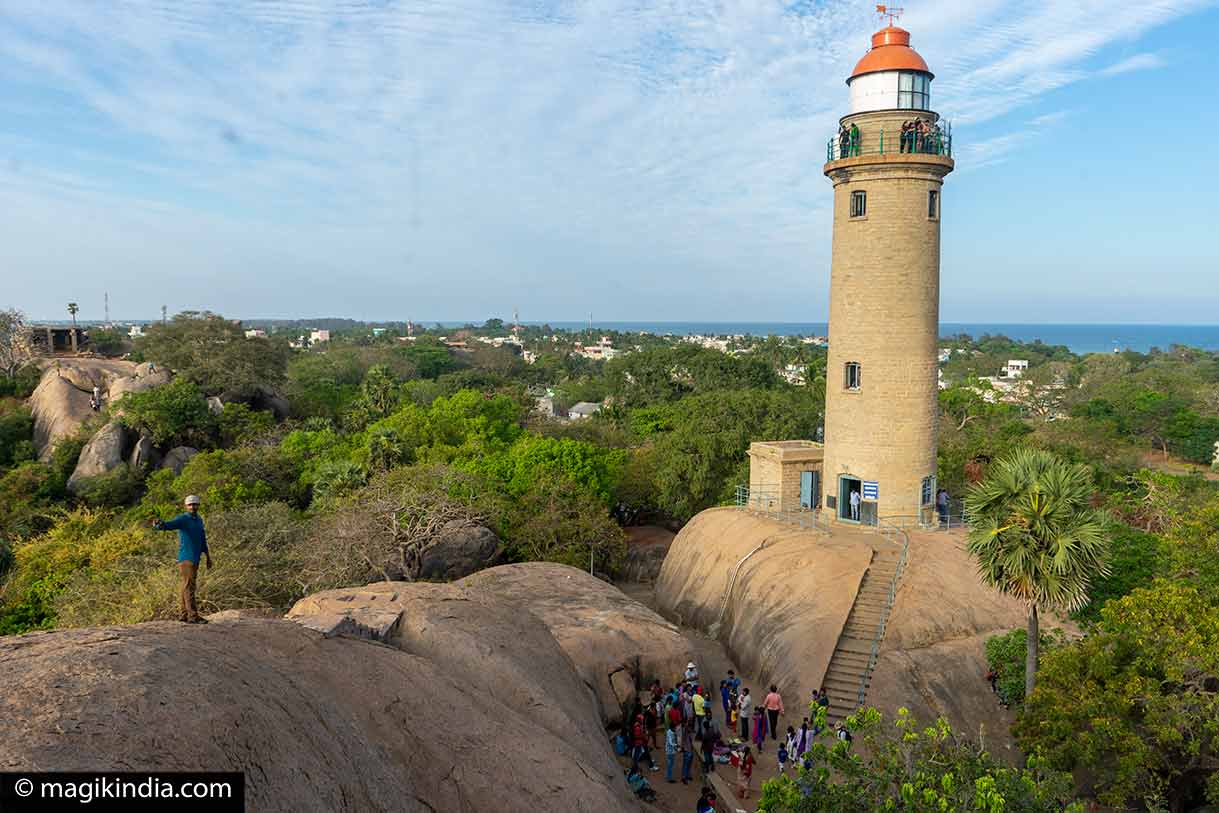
<point>1177,466</point>
<point>713,664</point>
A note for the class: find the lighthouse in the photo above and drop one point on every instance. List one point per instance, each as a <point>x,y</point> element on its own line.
<point>887,163</point>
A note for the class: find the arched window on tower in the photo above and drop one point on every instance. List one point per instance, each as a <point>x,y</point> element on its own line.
<point>851,378</point>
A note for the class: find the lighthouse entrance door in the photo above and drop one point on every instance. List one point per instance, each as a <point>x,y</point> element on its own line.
<point>850,494</point>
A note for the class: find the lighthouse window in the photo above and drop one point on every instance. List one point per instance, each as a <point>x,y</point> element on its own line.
<point>859,204</point>
<point>933,204</point>
<point>913,91</point>
<point>852,375</point>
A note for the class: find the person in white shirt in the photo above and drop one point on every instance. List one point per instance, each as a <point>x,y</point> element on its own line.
<point>745,712</point>
<point>855,505</point>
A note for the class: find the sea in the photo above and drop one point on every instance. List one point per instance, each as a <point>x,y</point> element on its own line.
<point>1081,339</point>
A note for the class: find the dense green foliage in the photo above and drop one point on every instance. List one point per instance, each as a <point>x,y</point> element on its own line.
<point>214,354</point>
<point>16,434</point>
<point>902,767</point>
<point>172,415</point>
<point>1005,655</point>
<point>1135,704</point>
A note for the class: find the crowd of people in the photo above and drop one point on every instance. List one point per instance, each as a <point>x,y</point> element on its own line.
<point>683,716</point>
<point>917,136</point>
<point>921,136</point>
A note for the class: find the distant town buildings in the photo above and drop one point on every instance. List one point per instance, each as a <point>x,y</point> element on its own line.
<point>135,332</point>
<point>603,349</point>
<point>794,374</point>
<point>1015,368</point>
<point>319,336</point>
<point>583,410</point>
<point>256,333</point>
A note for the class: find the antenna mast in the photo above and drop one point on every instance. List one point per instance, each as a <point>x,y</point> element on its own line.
<point>107,296</point>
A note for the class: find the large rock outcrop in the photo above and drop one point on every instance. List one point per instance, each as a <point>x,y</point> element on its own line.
<point>782,616</point>
<point>316,723</point>
<point>457,551</point>
<point>60,402</point>
<point>106,450</point>
<point>177,458</point>
<point>506,655</point>
<point>646,549</point>
<point>777,596</point>
<point>611,638</point>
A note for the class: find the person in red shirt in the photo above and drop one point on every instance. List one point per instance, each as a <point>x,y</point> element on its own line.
<point>639,745</point>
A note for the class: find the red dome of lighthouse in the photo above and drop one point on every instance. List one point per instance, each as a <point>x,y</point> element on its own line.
<point>891,51</point>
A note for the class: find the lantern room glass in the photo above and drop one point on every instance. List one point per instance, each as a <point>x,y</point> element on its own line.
<point>913,91</point>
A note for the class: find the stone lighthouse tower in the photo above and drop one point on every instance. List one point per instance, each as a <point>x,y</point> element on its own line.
<point>887,164</point>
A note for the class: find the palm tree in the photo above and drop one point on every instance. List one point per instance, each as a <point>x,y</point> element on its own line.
<point>72,309</point>
<point>1036,536</point>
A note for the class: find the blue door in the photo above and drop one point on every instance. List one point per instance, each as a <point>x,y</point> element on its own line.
<point>806,489</point>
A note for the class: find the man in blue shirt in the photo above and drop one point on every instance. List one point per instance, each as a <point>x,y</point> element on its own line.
<point>192,544</point>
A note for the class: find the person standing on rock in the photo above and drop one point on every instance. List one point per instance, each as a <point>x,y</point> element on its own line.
<point>774,707</point>
<point>192,544</point>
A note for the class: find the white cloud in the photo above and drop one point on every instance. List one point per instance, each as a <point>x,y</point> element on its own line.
<point>486,139</point>
<point>1138,62</point>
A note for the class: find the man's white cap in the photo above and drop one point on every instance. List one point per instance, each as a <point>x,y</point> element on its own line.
<point>192,499</point>
<point>691,665</point>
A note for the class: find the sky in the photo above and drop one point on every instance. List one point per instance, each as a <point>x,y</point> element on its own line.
<point>452,160</point>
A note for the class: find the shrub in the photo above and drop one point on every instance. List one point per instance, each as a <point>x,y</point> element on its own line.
<point>905,767</point>
<point>44,565</point>
<point>115,488</point>
<point>1136,558</point>
<point>1005,654</point>
<point>253,550</point>
<point>16,434</point>
<point>556,520</point>
<point>380,531</point>
<point>25,501</point>
<point>173,415</point>
<point>238,424</point>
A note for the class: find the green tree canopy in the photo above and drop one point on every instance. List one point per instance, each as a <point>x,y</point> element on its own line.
<point>214,353</point>
<point>1135,704</point>
<point>173,414</point>
<point>902,767</point>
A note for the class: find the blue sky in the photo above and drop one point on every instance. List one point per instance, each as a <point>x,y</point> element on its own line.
<point>643,161</point>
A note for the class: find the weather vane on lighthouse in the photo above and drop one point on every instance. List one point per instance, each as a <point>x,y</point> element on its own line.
<point>892,12</point>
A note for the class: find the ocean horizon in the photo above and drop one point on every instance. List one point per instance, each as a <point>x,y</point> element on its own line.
<point>1080,338</point>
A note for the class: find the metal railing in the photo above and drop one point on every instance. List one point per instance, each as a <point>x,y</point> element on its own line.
<point>899,537</point>
<point>769,501</point>
<point>932,522</point>
<point>882,143</point>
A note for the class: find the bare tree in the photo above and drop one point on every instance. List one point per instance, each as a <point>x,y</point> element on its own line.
<point>382,533</point>
<point>16,342</point>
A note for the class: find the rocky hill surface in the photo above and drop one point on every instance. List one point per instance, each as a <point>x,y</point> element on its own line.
<point>483,694</point>
<point>791,598</point>
<point>60,403</point>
